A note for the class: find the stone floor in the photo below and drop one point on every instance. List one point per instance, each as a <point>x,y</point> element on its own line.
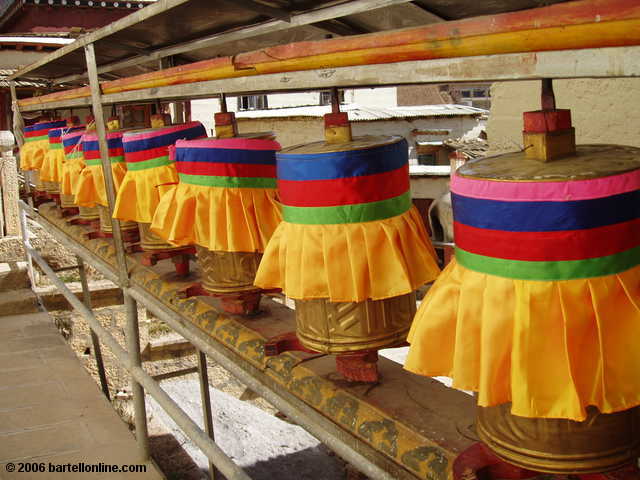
<point>52,412</point>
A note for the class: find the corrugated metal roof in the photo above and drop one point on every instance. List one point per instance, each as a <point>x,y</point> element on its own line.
<point>39,40</point>
<point>359,113</point>
<point>4,73</point>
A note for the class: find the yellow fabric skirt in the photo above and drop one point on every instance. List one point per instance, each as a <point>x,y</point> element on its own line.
<point>91,188</point>
<point>140,192</point>
<point>32,154</point>
<point>219,219</point>
<point>550,348</point>
<point>349,262</point>
<point>49,170</point>
<point>71,170</point>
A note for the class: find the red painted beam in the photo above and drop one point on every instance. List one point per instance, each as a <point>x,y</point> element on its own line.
<point>571,25</point>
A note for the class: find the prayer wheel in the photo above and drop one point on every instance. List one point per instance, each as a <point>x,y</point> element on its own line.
<point>150,173</point>
<point>91,188</point>
<point>39,184</point>
<point>36,144</point>
<point>72,165</point>
<point>67,201</point>
<point>601,442</point>
<point>538,312</point>
<point>339,327</point>
<point>52,188</point>
<point>227,272</point>
<point>225,204</point>
<point>351,249</point>
<point>50,170</point>
<point>106,225</point>
<point>89,213</point>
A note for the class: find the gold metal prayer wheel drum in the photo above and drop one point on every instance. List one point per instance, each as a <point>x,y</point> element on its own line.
<point>89,213</point>
<point>150,242</point>
<point>67,201</point>
<point>601,443</point>
<point>338,327</point>
<point>105,221</point>
<point>228,272</point>
<point>52,187</point>
<point>39,184</point>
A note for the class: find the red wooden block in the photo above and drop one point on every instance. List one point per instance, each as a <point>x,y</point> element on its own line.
<point>542,121</point>
<point>336,120</point>
<point>224,118</point>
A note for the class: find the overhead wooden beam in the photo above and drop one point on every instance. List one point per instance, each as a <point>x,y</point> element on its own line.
<point>589,63</point>
<point>130,20</point>
<point>421,5</point>
<point>261,8</point>
<point>340,27</point>
<point>296,20</point>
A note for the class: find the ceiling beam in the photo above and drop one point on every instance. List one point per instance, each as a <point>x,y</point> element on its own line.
<point>296,20</point>
<point>421,5</point>
<point>261,8</point>
<point>341,27</point>
<point>130,20</point>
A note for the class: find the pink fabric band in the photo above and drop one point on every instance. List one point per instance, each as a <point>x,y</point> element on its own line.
<point>546,191</point>
<point>237,143</point>
<point>93,136</point>
<point>73,135</point>
<point>132,136</point>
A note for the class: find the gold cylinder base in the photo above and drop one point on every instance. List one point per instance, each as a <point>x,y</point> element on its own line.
<point>89,213</point>
<point>150,242</point>
<point>52,187</point>
<point>67,201</point>
<point>339,327</point>
<point>601,443</point>
<point>106,226</point>
<point>228,272</point>
<point>39,184</point>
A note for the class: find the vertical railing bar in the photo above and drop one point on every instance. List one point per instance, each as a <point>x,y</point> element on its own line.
<point>25,240</point>
<point>97,350</point>
<point>205,396</point>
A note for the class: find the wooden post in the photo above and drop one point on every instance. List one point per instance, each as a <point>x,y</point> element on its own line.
<point>132,332</point>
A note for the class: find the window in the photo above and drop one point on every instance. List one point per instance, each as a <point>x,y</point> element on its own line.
<point>427,159</point>
<point>252,102</point>
<point>465,93</point>
<point>325,97</point>
<point>480,93</point>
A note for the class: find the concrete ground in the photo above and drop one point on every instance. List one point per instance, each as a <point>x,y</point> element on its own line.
<point>51,410</point>
<point>265,446</point>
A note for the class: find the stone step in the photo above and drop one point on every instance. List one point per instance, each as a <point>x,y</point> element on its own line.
<point>18,301</point>
<point>13,276</point>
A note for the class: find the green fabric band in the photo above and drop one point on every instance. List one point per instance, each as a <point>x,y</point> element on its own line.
<point>549,271</point>
<point>152,163</point>
<point>228,182</point>
<point>356,213</point>
<point>36,139</point>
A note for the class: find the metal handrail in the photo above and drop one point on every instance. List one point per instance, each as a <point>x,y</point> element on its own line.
<point>177,414</point>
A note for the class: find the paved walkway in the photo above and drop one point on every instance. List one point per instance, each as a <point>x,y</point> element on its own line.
<point>51,410</point>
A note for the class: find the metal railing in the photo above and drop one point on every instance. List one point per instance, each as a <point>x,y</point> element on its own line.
<point>249,375</point>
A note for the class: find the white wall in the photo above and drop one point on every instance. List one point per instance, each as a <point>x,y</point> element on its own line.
<point>293,131</point>
<point>602,110</point>
<point>375,97</point>
<point>203,109</point>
